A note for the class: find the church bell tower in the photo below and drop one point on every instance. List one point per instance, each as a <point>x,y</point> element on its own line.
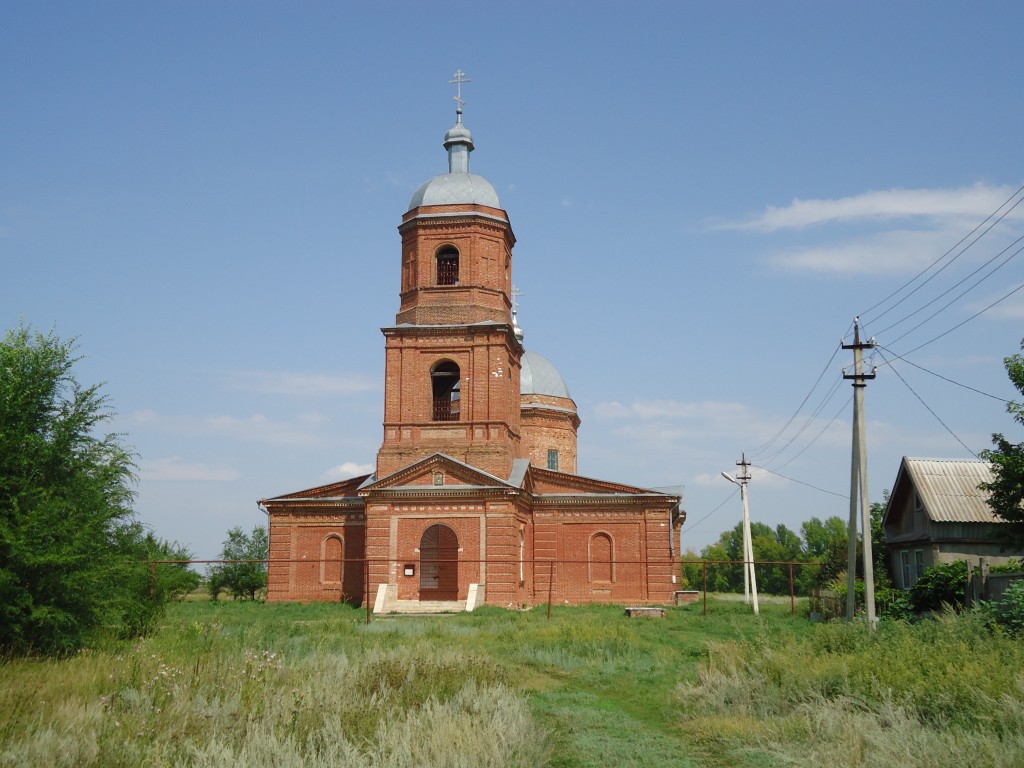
<point>452,369</point>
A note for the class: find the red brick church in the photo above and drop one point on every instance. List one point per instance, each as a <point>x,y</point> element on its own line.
<point>475,498</point>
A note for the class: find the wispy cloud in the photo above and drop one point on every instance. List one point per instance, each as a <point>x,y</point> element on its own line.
<point>345,470</point>
<point>255,428</point>
<point>672,423</point>
<point>176,469</point>
<point>974,202</point>
<point>1010,309</point>
<point>760,477</point>
<point>299,383</point>
<point>672,409</point>
<point>893,252</point>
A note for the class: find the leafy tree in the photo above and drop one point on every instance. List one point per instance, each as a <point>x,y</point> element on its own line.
<point>1006,491</point>
<point>157,585</point>
<point>241,579</point>
<point>820,536</point>
<point>779,546</point>
<point>67,538</point>
<point>880,560</point>
<point>825,542</point>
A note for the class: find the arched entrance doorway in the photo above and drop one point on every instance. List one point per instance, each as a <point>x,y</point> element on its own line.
<point>439,564</point>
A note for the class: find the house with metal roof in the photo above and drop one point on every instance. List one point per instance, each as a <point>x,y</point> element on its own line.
<point>938,514</point>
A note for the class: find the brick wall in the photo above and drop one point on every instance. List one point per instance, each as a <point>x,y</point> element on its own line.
<point>305,566</point>
<point>544,428</point>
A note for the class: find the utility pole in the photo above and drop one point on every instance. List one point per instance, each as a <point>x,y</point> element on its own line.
<point>859,483</point>
<point>749,579</point>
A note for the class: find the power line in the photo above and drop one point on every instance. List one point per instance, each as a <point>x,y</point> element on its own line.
<point>943,256</point>
<point>938,375</point>
<point>801,482</point>
<point>822,432</point>
<point>929,409</point>
<point>821,406</point>
<point>964,322</point>
<point>764,446</point>
<point>688,527</point>
<point>956,285</point>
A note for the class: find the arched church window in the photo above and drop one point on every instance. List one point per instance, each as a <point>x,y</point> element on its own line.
<point>522,556</point>
<point>447,392</point>
<point>601,557</point>
<point>332,559</point>
<point>448,266</point>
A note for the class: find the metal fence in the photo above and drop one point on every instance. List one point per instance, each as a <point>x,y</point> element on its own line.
<point>983,585</point>
<point>550,580</point>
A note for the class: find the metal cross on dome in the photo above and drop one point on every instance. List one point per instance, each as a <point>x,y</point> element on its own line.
<point>516,293</point>
<point>459,79</point>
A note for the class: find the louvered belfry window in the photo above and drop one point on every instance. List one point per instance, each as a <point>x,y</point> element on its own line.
<point>448,266</point>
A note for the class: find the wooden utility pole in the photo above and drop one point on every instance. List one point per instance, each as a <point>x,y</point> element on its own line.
<point>859,483</point>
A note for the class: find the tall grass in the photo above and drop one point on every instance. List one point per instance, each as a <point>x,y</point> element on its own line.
<point>286,685</point>
<point>257,693</point>
<point>938,693</point>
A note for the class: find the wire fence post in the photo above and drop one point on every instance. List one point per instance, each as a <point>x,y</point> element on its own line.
<point>551,585</point>
<point>152,579</point>
<point>366,582</point>
<point>705,587</point>
<point>792,592</point>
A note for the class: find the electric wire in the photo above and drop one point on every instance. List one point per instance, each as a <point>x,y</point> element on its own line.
<point>964,322</point>
<point>766,445</point>
<point>801,482</point>
<point>954,286</point>
<point>929,409</point>
<point>868,311</point>
<point>817,436</point>
<point>807,422</point>
<point>949,257</point>
<point>938,375</point>
<point>688,527</point>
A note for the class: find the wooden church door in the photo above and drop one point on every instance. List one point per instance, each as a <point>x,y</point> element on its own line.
<point>439,564</point>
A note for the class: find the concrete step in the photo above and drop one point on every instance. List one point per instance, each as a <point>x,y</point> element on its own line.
<point>413,607</point>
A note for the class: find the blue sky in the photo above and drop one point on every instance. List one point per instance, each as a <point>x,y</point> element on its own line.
<point>704,194</point>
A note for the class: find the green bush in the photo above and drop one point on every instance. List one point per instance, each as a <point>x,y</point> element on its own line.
<point>941,585</point>
<point>1009,612</point>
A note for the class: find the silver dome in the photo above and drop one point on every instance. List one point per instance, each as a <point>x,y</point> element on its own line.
<point>455,189</point>
<point>539,376</point>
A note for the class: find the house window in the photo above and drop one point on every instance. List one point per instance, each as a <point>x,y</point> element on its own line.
<point>601,557</point>
<point>553,459</point>
<point>444,382</point>
<point>911,566</point>
<point>448,266</point>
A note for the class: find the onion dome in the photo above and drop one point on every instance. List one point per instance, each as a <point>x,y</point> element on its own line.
<point>458,186</point>
<point>538,376</point>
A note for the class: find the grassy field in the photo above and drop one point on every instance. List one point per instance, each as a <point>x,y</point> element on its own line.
<point>233,684</point>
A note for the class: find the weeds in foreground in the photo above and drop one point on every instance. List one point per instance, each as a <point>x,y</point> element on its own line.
<point>938,693</point>
<point>201,697</point>
<point>284,685</point>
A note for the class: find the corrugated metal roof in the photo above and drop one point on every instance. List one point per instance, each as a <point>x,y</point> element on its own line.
<point>949,489</point>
